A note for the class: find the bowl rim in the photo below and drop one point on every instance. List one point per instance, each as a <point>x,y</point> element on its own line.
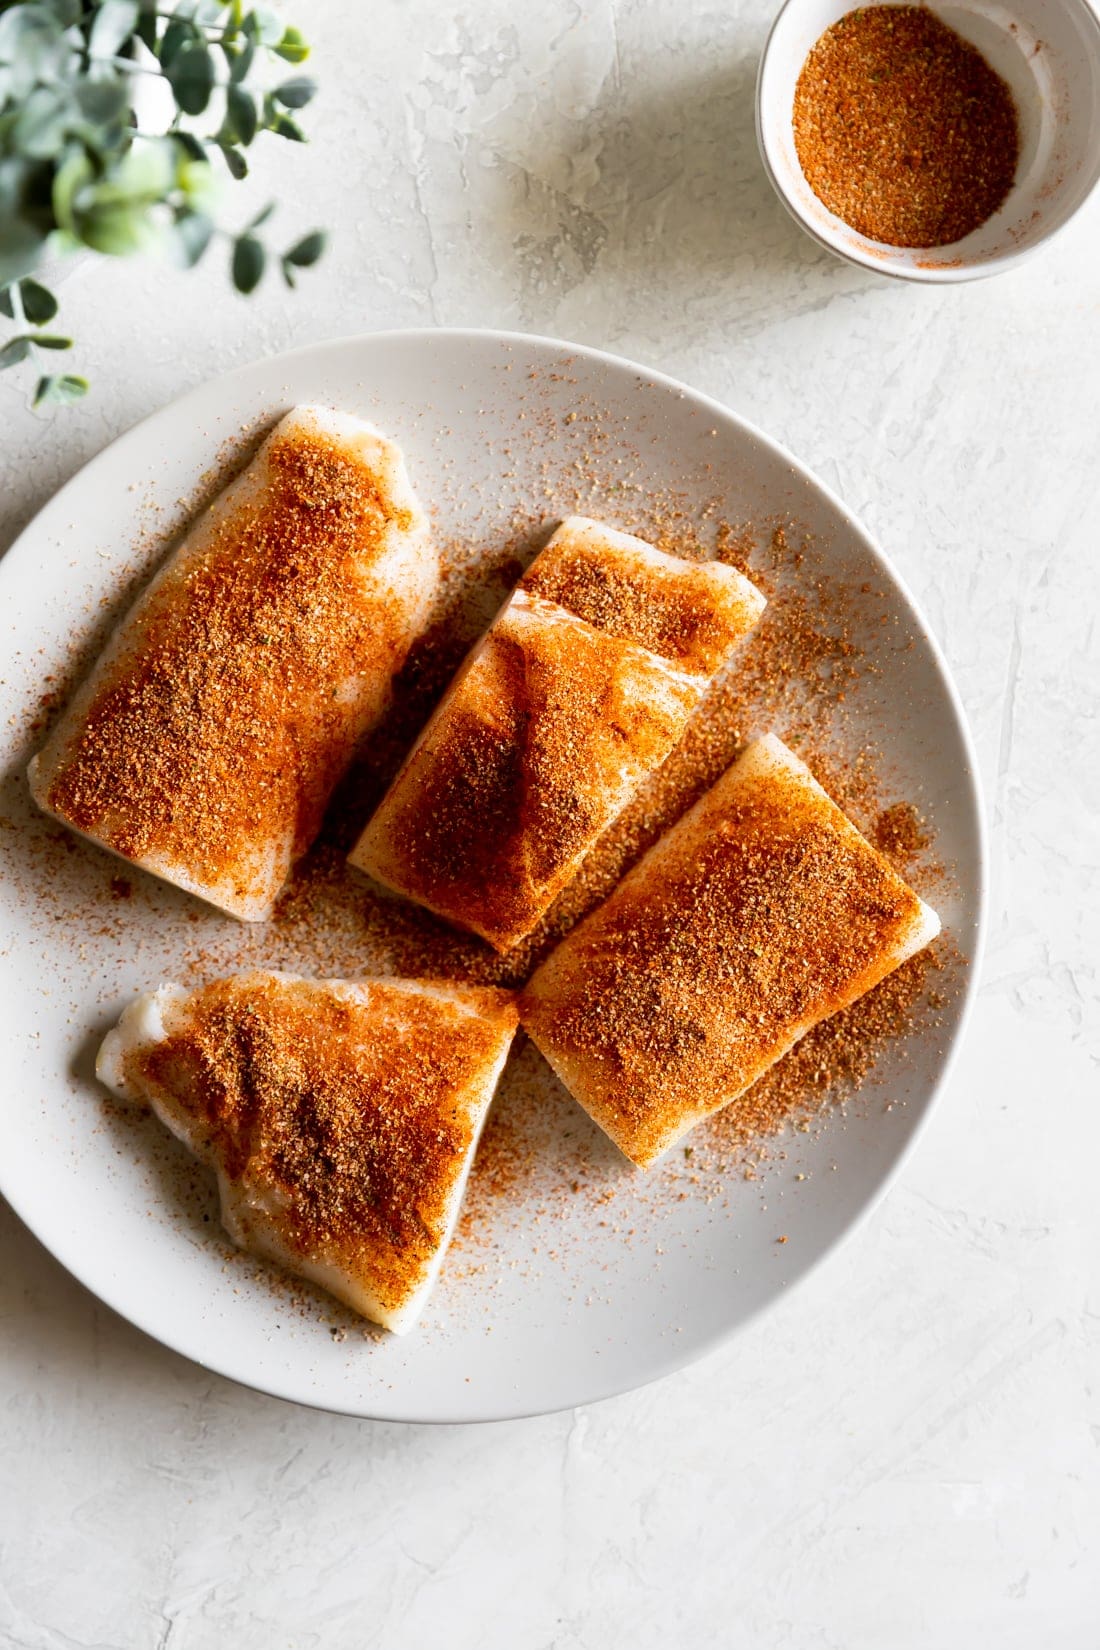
<point>935,274</point>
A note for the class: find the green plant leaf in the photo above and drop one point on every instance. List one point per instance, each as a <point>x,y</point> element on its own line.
<point>103,102</point>
<point>14,351</point>
<point>144,175</point>
<point>249,259</point>
<point>115,22</point>
<point>269,26</point>
<point>61,391</point>
<point>7,303</point>
<point>181,32</point>
<point>284,127</point>
<point>24,214</point>
<point>199,184</point>
<point>117,229</point>
<point>306,251</point>
<point>51,340</point>
<point>42,123</point>
<point>147,30</point>
<point>71,176</point>
<point>296,93</point>
<point>240,60</point>
<point>66,12</point>
<point>20,245</point>
<point>189,144</point>
<point>241,112</point>
<point>235,161</point>
<point>39,303</point>
<point>34,48</point>
<point>193,232</point>
<point>191,77</point>
<point>292,48</point>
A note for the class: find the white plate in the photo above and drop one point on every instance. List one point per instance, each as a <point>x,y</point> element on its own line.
<point>559,1298</point>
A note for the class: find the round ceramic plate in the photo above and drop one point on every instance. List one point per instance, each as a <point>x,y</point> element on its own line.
<point>578,1278</point>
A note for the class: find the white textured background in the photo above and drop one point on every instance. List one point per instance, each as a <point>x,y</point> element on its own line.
<point>908,1453</point>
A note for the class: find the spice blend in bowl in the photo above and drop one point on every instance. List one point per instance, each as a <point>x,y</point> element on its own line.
<point>903,129</point>
<point>931,145</point>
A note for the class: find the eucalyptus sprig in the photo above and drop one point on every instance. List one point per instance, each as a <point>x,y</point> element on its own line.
<point>81,167</point>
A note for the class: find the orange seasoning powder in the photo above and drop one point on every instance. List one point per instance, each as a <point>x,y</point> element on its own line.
<point>903,129</point>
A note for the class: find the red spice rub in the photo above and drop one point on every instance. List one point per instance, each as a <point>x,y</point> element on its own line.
<point>350,1112</point>
<point>689,612</point>
<point>544,737</point>
<point>208,741</point>
<point>903,129</point>
<point>762,912</point>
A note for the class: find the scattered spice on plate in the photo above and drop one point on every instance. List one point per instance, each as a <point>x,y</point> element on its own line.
<point>903,129</point>
<point>830,1065</point>
<point>899,833</point>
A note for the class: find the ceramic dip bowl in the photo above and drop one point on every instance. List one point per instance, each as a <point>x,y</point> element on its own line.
<point>1048,51</point>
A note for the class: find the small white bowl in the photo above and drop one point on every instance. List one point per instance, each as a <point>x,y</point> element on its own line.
<point>1049,53</point>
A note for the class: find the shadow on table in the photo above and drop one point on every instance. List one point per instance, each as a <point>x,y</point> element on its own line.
<point>658,195</point>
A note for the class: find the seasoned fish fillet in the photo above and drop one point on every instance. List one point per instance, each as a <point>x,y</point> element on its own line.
<point>208,739</point>
<point>580,688</point>
<point>692,613</point>
<point>341,1116</point>
<point>760,913</point>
